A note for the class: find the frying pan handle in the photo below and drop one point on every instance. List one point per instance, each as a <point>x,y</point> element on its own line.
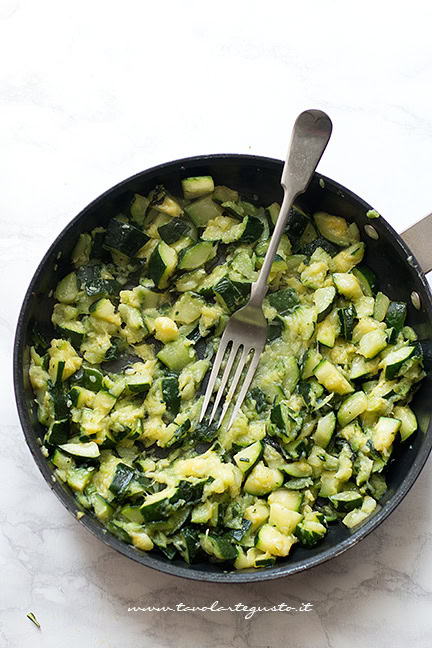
<point>418,237</point>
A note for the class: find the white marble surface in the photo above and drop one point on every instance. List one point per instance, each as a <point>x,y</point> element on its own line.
<point>94,91</point>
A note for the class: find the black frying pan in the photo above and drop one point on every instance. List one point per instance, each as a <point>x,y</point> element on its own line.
<point>399,275</point>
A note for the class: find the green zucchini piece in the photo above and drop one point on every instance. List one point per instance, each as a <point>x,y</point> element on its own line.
<point>273,541</point>
<point>60,398</point>
<point>196,256</point>
<point>273,212</point>
<point>228,294</point>
<point>253,229</point>
<point>138,383</point>
<point>275,329</point>
<point>292,375</point>
<point>233,209</point>
<point>122,478</point>
<point>162,202</point>
<point>124,237</point>
<point>219,546</point>
<point>138,208</point>
<point>290,499</point>
<point>367,280</point>
<point>384,433</point>
<point>333,228</point>
<point>73,331</point>
<point>284,301</point>
<point>284,519</point>
<point>328,330</point>
<point>331,378</point>
<point>286,421</point>
<point>170,394</point>
<point>202,210</point>
<point>360,367</point>
<point>223,194</point>
<point>78,478</point>
<point>347,317</point>
<point>226,230</point>
<point>346,501</point>
<point>239,534</point>
<point>89,450</point>
<point>372,343</point>
<point>247,458</point>
<point>80,396</point>
<point>310,360</point>
<point>103,509</point>
<point>347,285</point>
<point>188,308</point>
<point>132,513</point>
<point>58,432</point>
<point>259,397</point>
<point>89,378</point>
<point>395,316</point>
<point>263,480</point>
<point>395,359</point>
<point>323,299</point>
<point>382,303</point>
<point>162,264</point>
<point>188,543</point>
<point>90,279</point>
<point>325,429</point>
<point>297,449</point>
<point>358,515</point>
<point>311,529</point>
<point>311,391</point>
<point>176,229</point>
<point>408,421</point>
<point>67,290</point>
<point>196,187</point>
<point>352,407</point>
<point>298,469</point>
<point>176,355</point>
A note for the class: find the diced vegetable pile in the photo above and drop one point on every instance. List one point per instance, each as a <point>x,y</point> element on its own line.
<point>137,320</point>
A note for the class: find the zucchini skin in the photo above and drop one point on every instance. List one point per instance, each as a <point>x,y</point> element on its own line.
<point>124,237</point>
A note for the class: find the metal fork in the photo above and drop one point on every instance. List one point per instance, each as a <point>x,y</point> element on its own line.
<point>246,330</point>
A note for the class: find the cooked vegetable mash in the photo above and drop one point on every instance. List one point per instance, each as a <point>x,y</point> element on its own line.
<point>137,320</point>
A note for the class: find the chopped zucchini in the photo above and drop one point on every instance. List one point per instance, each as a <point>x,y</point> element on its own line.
<point>247,458</point>
<point>203,210</point>
<point>196,256</point>
<point>396,359</point>
<point>273,541</point>
<point>119,391</point>
<point>367,279</point>
<point>323,299</point>
<point>124,237</point>
<point>196,187</point>
<point>162,264</point>
<point>284,301</point>
<point>176,355</point>
<point>352,407</point>
<point>263,480</point>
<point>346,500</point>
<point>396,314</point>
<point>311,529</point>
<point>331,378</point>
<point>408,421</point>
<point>333,228</point>
<point>325,429</point>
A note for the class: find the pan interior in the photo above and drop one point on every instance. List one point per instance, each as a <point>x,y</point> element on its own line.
<point>387,257</point>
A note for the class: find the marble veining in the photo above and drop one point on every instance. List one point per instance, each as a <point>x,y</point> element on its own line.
<point>92,92</point>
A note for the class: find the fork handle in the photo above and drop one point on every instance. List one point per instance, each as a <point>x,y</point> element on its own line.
<point>309,138</point>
